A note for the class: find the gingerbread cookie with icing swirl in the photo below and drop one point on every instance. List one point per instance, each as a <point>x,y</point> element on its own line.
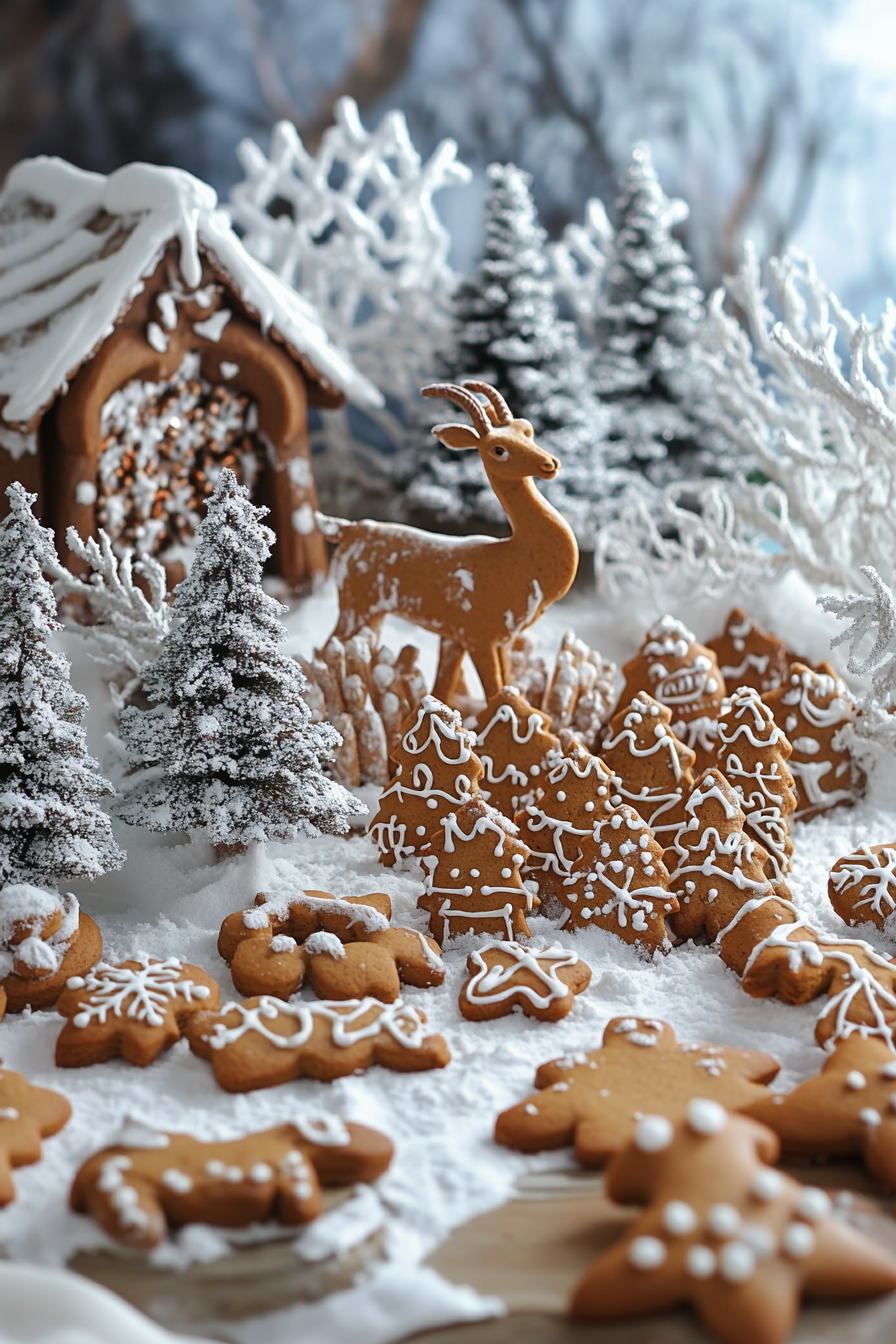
<point>505,977</point>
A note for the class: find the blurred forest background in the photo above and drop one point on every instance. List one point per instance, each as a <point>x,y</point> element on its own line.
<point>773,119</point>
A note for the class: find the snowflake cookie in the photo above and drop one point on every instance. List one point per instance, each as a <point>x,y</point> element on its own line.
<point>723,1230</point>
<point>540,982</point>
<point>590,1099</point>
<point>862,885</point>
<point>136,1193</point>
<point>27,1115</point>
<point>134,1010</point>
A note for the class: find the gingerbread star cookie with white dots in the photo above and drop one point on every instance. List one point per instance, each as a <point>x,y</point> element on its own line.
<point>724,1231</point>
<point>594,1100</point>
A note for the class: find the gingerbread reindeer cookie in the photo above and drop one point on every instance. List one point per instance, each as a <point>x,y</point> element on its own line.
<point>813,706</point>
<point>653,770</point>
<point>592,1100</point>
<point>138,1193</point>
<point>512,744</point>
<point>723,1230</point>
<point>540,982</point>
<point>753,755</point>
<point>862,885</point>
<point>749,656</point>
<point>263,1042</point>
<point>436,772</point>
<point>27,1115</point>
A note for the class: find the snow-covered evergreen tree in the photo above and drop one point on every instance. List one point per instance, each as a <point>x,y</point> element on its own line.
<point>507,332</point>
<point>52,828</point>
<point>229,740</point>
<point>644,326</point>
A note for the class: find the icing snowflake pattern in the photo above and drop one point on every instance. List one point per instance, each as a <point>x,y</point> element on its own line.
<point>141,993</point>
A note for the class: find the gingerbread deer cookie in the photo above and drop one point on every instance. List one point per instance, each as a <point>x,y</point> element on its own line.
<point>512,745</point>
<point>137,1194</point>
<point>263,1042</point>
<point>592,1100</point>
<point>753,755</point>
<point>749,656</point>
<point>862,885</point>
<point>27,1115</point>
<point>653,770</point>
<point>812,706</point>
<point>723,1230</point>
<point>540,982</point>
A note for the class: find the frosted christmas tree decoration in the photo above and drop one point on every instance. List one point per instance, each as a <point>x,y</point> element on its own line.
<point>475,593</point>
<point>874,615</point>
<point>653,770</point>
<point>753,756</point>
<point>813,707</point>
<point>575,793</point>
<point>229,745</point>
<point>473,880</point>
<point>436,772</point>
<point>685,677</point>
<point>512,744</point>
<point>619,883</point>
<point>862,885</point>
<point>749,656</point>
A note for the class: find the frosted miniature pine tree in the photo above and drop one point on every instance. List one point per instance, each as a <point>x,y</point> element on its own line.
<point>229,739</point>
<point>643,331</point>
<point>52,828</point>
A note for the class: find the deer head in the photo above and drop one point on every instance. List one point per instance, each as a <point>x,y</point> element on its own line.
<point>506,445</point>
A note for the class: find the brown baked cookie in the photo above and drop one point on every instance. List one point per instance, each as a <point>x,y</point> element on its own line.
<point>436,772</point>
<point>473,882</point>
<point>132,1011</point>
<point>812,706</point>
<point>27,1115</point>
<point>862,885</point>
<point>73,949</point>
<point>137,1194</point>
<point>541,982</point>
<point>723,1230</point>
<point>685,677</point>
<point>306,912</point>
<point>593,1100</point>
<point>846,1110</point>
<point>263,1042</point>
<point>653,770</point>
<point>749,656</point>
<point>753,756</point>
<point>620,883</point>
<point>2,1003</point>
<point>378,967</point>
<point>512,745</point>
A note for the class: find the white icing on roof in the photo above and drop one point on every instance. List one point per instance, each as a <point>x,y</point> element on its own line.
<point>63,285</point>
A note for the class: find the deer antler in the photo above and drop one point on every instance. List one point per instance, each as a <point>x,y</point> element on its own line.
<point>460,395</point>
<point>503,413</point>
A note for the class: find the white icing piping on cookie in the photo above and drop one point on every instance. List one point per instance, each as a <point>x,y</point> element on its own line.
<point>494,984</point>
<point>401,1020</point>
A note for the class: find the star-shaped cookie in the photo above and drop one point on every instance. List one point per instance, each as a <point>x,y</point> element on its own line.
<point>594,1100</point>
<point>725,1231</point>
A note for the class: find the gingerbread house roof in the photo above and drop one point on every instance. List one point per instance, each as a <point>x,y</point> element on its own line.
<point>75,249</point>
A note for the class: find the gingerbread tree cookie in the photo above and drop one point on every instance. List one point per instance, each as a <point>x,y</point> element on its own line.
<point>862,885</point>
<point>27,1115</point>
<point>812,706</point>
<point>137,1193</point>
<point>749,656</point>
<point>377,967</point>
<point>436,772</point>
<point>134,1010</point>
<point>512,744</point>
<point>262,1042</point>
<point>844,1111</point>
<point>540,982</point>
<point>473,882</point>
<point>592,1100</point>
<point>620,883</point>
<point>685,677</point>
<point>654,771</point>
<point>753,755</point>
<point>723,1230</point>
<point>576,791</point>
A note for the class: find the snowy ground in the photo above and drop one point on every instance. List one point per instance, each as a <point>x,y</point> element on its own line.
<point>170,899</point>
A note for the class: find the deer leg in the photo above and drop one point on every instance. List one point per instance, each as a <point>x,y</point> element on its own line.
<point>451,655</point>
<point>489,663</point>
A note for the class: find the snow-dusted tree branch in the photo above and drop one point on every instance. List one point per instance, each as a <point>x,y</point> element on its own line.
<point>129,623</point>
<point>871,615</point>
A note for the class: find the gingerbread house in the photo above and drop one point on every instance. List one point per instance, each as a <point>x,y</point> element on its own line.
<point>141,349</point>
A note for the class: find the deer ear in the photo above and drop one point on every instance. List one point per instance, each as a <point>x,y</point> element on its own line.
<point>458,437</point>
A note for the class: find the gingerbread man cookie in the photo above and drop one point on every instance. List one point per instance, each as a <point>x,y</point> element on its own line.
<point>138,1193</point>
<point>812,706</point>
<point>593,1099</point>
<point>862,885</point>
<point>512,745</point>
<point>377,967</point>
<point>541,982</point>
<point>723,1230</point>
<point>300,914</point>
<point>263,1042</point>
<point>749,656</point>
<point>753,755</point>
<point>134,1010</point>
<point>653,770</point>
<point>27,1115</point>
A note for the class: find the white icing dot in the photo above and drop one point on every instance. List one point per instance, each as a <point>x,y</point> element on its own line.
<point>706,1117</point>
<point>646,1253</point>
<point>260,1172</point>
<point>653,1133</point>
<point>589,806</point>
<point>85,493</point>
<point>432,802</point>
<point>474,872</point>
<point>760,1239</point>
<point>178,1181</point>
<point>8,1113</point>
<point>455,872</point>
<point>561,796</point>
<point>530,1109</point>
<point>700,1262</point>
<point>736,1262</point>
<point>679,1218</point>
<point>798,1240</point>
<point>888,1070</point>
<point>813,1204</point>
<point>767,1184</point>
<point>421,830</point>
<point>234,1175</point>
<point>507,872</point>
<point>869,1116</point>
<point>855,1080</point>
<point>723,1220</point>
<point>215,1168</point>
